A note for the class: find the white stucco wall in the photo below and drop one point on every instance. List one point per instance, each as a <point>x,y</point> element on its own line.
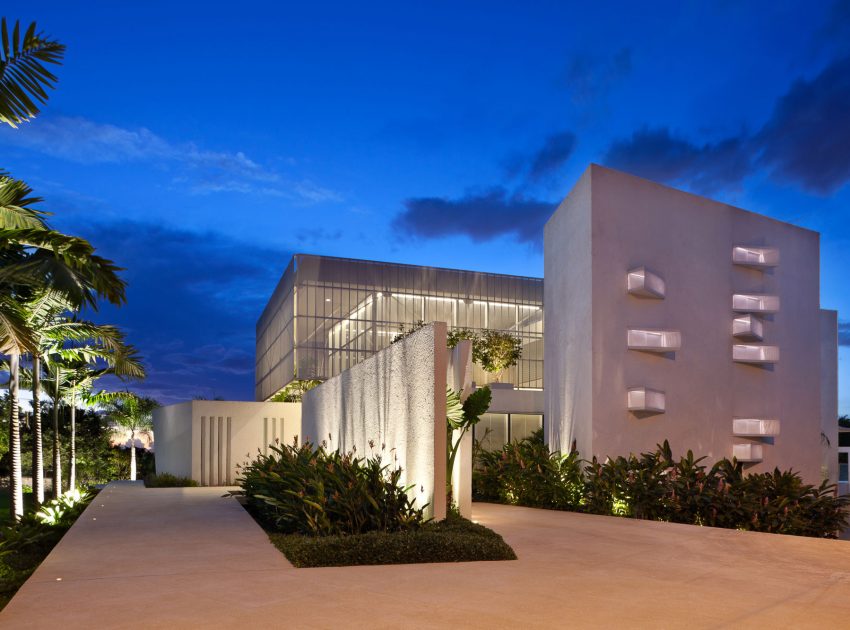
<point>829,392</point>
<point>568,315</point>
<point>613,222</point>
<point>395,398</point>
<point>206,439</point>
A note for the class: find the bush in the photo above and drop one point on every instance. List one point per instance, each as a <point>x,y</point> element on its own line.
<point>452,540</point>
<point>167,480</point>
<point>307,490</point>
<point>655,486</point>
<point>526,473</point>
<point>24,545</point>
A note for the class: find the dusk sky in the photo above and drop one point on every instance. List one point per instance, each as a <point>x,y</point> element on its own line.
<point>200,145</point>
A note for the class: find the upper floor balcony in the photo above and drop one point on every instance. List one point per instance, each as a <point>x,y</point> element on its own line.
<point>646,400</point>
<point>759,257</point>
<point>755,303</point>
<point>644,283</point>
<point>748,327</point>
<point>650,340</point>
<point>755,427</point>
<point>752,353</point>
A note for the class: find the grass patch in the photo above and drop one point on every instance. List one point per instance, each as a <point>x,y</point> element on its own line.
<point>167,480</point>
<point>455,539</point>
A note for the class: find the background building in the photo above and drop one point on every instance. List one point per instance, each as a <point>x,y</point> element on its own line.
<point>671,316</point>
<point>328,314</point>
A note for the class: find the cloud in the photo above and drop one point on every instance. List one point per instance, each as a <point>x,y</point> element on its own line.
<point>589,78</point>
<point>556,150</point>
<point>200,171</point>
<point>844,333</point>
<point>480,216</point>
<point>807,138</point>
<point>804,142</point>
<point>193,300</point>
<point>660,155</point>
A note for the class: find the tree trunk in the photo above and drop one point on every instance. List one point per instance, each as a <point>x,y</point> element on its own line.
<point>57,460</point>
<point>132,455</point>
<point>37,454</point>
<point>16,482</point>
<point>72,477</point>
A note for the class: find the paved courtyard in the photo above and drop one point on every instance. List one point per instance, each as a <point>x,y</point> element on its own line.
<point>187,558</point>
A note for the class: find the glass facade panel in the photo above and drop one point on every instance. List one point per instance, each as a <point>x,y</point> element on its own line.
<point>524,424</point>
<point>328,314</point>
<point>491,432</point>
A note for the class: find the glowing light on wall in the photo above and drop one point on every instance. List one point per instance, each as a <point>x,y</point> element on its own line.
<point>644,399</point>
<point>755,427</point>
<point>748,327</point>
<point>748,452</point>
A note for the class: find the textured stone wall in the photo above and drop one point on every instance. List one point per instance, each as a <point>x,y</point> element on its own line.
<point>395,399</point>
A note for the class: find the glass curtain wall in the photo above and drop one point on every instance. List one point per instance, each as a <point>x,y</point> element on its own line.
<point>345,310</point>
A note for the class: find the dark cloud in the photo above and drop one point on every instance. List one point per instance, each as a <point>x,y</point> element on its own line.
<point>659,155</point>
<point>556,150</point>
<point>192,305</point>
<point>844,333</point>
<point>807,140</point>
<point>481,217</point>
<point>588,78</point>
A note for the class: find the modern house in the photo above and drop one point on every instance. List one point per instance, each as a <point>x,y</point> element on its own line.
<point>672,316</point>
<point>668,316</point>
<point>328,314</point>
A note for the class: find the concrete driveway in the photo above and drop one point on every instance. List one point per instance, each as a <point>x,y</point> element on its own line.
<point>187,558</point>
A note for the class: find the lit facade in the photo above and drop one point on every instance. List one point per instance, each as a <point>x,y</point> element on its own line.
<point>674,317</point>
<point>328,314</point>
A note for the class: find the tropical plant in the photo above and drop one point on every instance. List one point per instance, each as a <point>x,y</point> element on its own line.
<point>295,390</point>
<point>405,331</point>
<point>456,335</point>
<point>309,490</point>
<point>128,411</point>
<point>461,416</point>
<point>656,486</point>
<point>496,351</point>
<point>23,75</point>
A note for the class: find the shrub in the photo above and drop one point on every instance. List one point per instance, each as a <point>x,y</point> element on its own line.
<point>526,473</point>
<point>452,540</point>
<point>655,486</point>
<point>307,490</point>
<point>167,480</point>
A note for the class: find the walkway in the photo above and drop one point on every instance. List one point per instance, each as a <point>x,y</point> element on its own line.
<point>187,558</point>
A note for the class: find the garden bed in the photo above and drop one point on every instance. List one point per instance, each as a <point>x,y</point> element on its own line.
<point>455,539</point>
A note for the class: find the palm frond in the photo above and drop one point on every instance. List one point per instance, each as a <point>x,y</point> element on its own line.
<point>15,335</point>
<point>16,206</point>
<point>23,75</point>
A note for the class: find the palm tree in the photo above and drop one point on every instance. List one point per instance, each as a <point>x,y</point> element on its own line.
<point>23,76</point>
<point>77,353</point>
<point>129,411</point>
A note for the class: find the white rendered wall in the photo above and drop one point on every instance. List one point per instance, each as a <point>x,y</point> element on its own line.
<point>613,222</point>
<point>829,392</point>
<point>567,304</point>
<point>396,398</point>
<point>206,439</point>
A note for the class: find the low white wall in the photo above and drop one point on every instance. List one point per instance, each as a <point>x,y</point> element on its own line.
<point>395,398</point>
<point>206,439</point>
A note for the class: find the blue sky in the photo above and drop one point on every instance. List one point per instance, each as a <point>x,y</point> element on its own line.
<point>201,144</point>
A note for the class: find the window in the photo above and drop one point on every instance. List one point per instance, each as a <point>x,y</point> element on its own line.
<point>843,476</point>
<point>844,438</point>
<point>492,431</point>
<point>524,424</point>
